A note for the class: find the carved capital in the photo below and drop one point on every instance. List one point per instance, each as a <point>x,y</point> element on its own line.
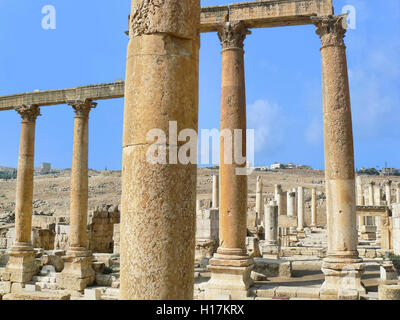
<point>82,108</point>
<point>28,113</point>
<point>331,30</point>
<point>233,34</point>
<point>388,183</point>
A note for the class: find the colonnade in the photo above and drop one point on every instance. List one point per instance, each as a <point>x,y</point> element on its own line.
<point>158,200</point>
<point>78,272</point>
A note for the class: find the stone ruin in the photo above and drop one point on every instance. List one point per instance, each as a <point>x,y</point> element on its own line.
<point>157,233</point>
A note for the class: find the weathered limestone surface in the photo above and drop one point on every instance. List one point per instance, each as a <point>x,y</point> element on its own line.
<point>342,256</point>
<point>371,200</point>
<point>262,14</point>
<point>300,209</point>
<point>389,292</point>
<point>259,201</point>
<point>62,96</point>
<point>396,228</point>
<point>291,204</point>
<point>313,207</point>
<point>215,192</point>
<point>398,193</point>
<point>21,264</point>
<point>78,273</point>
<point>231,266</point>
<point>207,233</point>
<point>388,192</point>
<point>159,200</point>
<point>101,237</point>
<point>271,223</point>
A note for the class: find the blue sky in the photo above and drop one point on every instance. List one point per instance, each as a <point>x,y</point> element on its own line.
<point>283,80</point>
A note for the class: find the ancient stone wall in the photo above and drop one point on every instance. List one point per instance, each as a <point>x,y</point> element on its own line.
<point>101,228</point>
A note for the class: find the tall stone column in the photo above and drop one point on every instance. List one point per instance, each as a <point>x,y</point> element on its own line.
<point>215,191</point>
<point>271,224</point>
<point>371,200</point>
<point>360,200</point>
<point>278,198</point>
<point>359,190</point>
<point>21,265</point>
<point>260,201</point>
<point>231,265</point>
<point>313,207</point>
<point>158,200</point>
<point>291,207</point>
<point>388,192</point>
<point>78,272</point>
<point>377,195</point>
<point>300,209</point>
<point>291,203</point>
<point>342,266</point>
<point>398,193</point>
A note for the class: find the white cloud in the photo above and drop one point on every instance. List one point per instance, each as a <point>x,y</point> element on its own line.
<point>269,123</point>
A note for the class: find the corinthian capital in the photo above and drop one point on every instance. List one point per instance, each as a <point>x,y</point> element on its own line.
<point>331,30</point>
<point>232,34</point>
<point>28,113</point>
<point>82,107</point>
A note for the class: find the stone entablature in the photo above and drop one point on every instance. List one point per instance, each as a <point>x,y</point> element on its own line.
<point>264,14</point>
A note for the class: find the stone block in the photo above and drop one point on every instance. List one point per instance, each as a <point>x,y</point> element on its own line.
<point>98,267</point>
<point>32,287</point>
<point>256,276</point>
<point>5,287</point>
<point>4,259</point>
<point>266,292</point>
<point>304,292</point>
<point>368,229</point>
<point>92,294</point>
<point>290,292</point>
<point>370,253</point>
<point>104,280</point>
<point>348,294</point>
<point>36,296</point>
<point>53,260</point>
<point>273,267</point>
<point>389,292</point>
<point>17,287</point>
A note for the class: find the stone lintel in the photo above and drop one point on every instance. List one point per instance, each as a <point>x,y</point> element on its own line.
<point>265,14</point>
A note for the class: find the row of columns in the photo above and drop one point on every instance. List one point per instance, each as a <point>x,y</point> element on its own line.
<point>375,193</point>
<point>77,273</point>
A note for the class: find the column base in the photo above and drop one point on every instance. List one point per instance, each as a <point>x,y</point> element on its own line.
<point>230,275</point>
<point>341,276</point>
<point>270,249</point>
<point>21,266</point>
<point>78,272</point>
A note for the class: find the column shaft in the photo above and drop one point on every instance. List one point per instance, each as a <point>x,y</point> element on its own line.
<point>388,192</point>
<point>371,200</point>
<point>24,197</point>
<point>291,204</point>
<point>21,265</point>
<point>79,179</point>
<point>158,200</point>
<point>339,162</point>
<point>313,207</point>
<point>78,272</point>
<point>231,260</point>
<point>300,209</point>
<point>271,224</point>
<point>233,206</point>
<point>215,191</point>
<point>259,201</point>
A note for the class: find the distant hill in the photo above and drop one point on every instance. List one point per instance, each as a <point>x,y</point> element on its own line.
<point>6,169</point>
